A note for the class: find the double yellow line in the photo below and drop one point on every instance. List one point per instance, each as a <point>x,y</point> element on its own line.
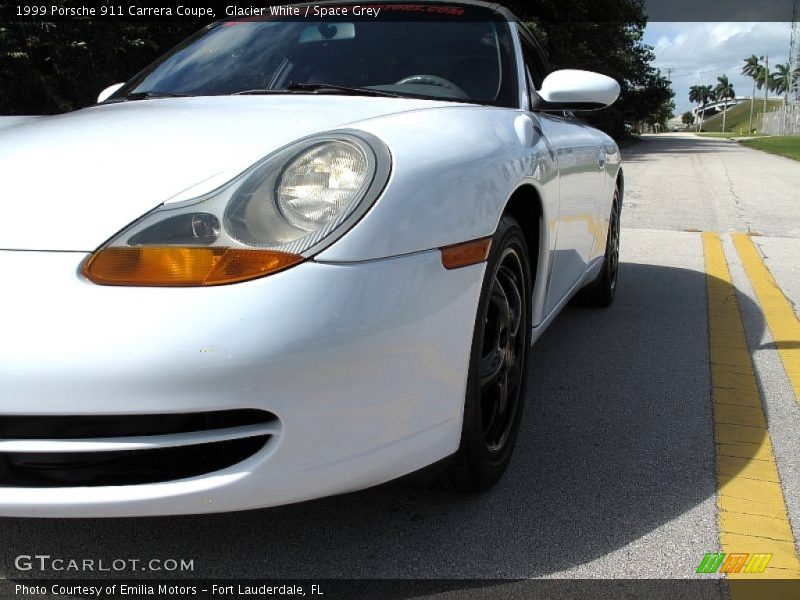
<point>752,510</point>
<point>780,317</point>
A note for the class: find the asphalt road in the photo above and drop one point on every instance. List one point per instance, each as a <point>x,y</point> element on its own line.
<point>614,474</point>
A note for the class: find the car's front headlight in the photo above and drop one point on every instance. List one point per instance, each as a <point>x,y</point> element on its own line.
<point>281,211</point>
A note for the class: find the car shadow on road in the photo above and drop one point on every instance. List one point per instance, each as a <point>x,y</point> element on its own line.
<point>616,441</point>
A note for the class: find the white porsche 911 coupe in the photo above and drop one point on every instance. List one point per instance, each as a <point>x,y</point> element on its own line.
<point>294,258</point>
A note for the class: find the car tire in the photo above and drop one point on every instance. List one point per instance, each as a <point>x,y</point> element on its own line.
<point>497,377</point>
<point>601,291</point>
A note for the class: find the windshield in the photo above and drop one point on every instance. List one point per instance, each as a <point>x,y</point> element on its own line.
<point>467,61</point>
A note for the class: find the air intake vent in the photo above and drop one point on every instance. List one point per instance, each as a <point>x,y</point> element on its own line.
<point>69,451</point>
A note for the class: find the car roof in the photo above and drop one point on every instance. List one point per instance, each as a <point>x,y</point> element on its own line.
<point>500,9</point>
<point>494,6</point>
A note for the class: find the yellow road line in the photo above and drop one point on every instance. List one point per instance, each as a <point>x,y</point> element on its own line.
<point>752,510</point>
<point>778,312</point>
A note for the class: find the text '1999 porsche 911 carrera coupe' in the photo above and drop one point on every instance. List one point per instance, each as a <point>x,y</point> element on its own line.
<point>294,258</point>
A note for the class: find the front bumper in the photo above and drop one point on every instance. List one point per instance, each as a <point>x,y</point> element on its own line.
<point>363,364</point>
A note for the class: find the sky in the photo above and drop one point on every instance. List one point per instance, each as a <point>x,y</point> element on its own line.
<point>699,52</point>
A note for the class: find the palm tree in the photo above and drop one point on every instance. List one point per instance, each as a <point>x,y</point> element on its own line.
<point>695,95</point>
<point>701,94</point>
<point>750,69</point>
<point>781,82</point>
<point>724,91</point>
<point>706,95</point>
<point>764,79</point>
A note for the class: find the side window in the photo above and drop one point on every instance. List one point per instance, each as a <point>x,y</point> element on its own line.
<point>531,87</point>
<point>536,68</point>
<point>531,55</point>
<point>534,64</point>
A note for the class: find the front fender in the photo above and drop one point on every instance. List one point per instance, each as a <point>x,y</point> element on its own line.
<point>453,171</point>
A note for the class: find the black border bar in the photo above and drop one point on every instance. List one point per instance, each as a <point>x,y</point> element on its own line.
<point>396,589</point>
<point>598,11</point>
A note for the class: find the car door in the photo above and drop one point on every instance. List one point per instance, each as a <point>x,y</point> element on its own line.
<point>580,160</point>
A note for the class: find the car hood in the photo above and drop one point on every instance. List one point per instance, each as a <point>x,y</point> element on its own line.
<point>69,182</point>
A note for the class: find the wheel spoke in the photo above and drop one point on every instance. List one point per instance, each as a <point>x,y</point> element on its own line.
<point>490,415</point>
<point>491,367</point>
<point>502,393</point>
<point>497,422</point>
<point>612,254</point>
<point>503,350</point>
<point>514,297</point>
<point>499,301</point>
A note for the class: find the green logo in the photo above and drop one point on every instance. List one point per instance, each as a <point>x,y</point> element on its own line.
<point>733,563</point>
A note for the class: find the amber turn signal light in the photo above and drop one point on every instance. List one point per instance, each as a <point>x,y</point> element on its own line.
<point>183,266</point>
<point>468,253</point>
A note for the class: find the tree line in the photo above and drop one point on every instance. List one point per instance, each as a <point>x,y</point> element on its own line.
<point>58,66</point>
<point>778,81</point>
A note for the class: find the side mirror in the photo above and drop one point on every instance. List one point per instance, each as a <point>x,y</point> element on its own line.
<point>570,89</point>
<point>108,92</point>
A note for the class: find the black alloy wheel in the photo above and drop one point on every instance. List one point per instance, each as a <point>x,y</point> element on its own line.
<point>602,290</point>
<point>497,377</point>
<point>499,371</point>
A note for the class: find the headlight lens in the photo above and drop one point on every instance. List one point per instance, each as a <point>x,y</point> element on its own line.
<point>280,212</point>
<point>322,183</point>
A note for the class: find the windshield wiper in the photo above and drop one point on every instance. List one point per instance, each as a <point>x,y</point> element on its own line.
<point>353,91</point>
<point>314,87</point>
<point>258,92</point>
<point>148,95</point>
